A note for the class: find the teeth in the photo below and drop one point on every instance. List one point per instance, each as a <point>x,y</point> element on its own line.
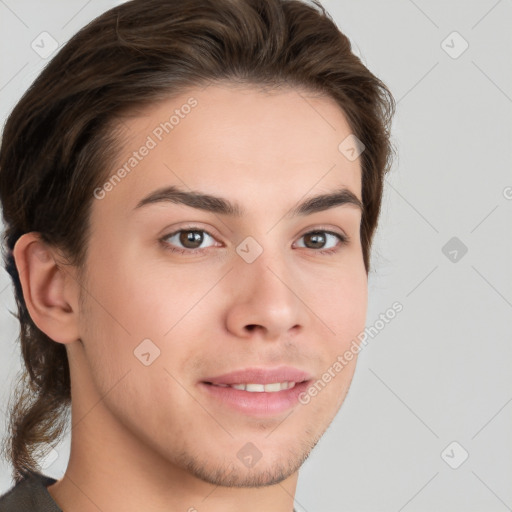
<point>259,388</point>
<point>255,388</point>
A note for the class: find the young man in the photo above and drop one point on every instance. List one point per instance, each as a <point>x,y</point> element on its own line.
<point>190,191</point>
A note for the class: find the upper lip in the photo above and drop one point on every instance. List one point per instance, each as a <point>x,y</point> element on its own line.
<point>261,376</point>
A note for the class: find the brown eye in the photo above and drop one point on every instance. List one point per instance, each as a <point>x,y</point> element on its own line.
<point>315,240</point>
<point>325,241</point>
<point>188,240</point>
<point>191,239</point>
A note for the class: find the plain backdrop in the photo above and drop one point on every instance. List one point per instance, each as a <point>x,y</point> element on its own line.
<point>426,424</point>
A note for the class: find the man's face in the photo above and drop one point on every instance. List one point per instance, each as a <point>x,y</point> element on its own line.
<point>253,291</point>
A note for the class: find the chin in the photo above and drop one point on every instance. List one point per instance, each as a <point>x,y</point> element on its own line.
<point>239,476</point>
<point>265,471</point>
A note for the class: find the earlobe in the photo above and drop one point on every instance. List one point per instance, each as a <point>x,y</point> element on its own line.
<point>50,292</point>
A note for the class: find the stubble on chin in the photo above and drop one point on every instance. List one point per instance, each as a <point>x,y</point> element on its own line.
<point>235,474</point>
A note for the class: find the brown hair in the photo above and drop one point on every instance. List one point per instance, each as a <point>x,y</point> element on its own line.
<point>60,140</point>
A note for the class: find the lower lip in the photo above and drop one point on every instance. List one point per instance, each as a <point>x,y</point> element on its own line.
<point>256,403</point>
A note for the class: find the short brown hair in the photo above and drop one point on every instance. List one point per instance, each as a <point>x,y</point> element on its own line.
<point>59,141</point>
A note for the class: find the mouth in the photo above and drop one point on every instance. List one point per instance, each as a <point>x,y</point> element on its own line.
<point>260,392</point>
<point>251,387</point>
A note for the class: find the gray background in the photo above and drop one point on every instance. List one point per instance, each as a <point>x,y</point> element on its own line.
<point>440,371</point>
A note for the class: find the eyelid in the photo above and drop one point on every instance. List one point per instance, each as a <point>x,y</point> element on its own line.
<point>327,228</point>
<point>191,226</point>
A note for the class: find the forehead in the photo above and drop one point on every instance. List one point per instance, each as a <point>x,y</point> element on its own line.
<point>234,141</point>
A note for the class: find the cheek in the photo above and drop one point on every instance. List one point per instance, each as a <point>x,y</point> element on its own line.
<point>131,300</point>
<point>340,300</point>
<point>139,317</point>
<point>354,302</point>
<point>152,297</point>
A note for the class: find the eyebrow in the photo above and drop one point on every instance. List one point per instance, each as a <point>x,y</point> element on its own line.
<point>220,205</point>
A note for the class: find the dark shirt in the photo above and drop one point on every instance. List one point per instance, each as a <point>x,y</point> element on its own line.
<point>30,495</point>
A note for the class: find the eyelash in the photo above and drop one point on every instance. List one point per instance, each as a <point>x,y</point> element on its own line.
<point>344,240</point>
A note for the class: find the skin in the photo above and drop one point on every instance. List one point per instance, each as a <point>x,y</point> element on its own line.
<point>147,437</point>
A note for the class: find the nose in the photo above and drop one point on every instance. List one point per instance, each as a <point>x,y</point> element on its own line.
<point>265,300</point>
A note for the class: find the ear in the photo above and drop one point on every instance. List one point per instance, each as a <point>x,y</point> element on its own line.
<point>50,289</point>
